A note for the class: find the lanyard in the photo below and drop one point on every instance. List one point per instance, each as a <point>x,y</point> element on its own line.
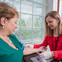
<point>56,39</point>
<point>52,42</point>
<point>56,42</point>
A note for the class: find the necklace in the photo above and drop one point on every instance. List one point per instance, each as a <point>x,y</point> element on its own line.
<point>56,35</point>
<point>8,40</point>
<point>13,46</point>
<point>55,32</point>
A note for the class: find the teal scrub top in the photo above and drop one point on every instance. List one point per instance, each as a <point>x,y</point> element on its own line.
<point>9,54</point>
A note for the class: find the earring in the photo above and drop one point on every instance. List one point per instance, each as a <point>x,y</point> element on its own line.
<point>3,26</point>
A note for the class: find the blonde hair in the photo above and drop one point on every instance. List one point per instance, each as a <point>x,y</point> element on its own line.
<point>55,15</point>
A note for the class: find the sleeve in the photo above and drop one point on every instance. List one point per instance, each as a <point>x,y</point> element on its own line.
<point>45,43</point>
<point>58,55</point>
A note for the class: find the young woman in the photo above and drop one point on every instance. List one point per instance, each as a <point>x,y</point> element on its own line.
<point>53,36</point>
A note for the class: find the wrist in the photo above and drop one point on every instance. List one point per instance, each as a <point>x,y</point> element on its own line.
<point>52,54</point>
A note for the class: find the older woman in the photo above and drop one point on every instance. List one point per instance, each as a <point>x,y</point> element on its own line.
<point>11,50</point>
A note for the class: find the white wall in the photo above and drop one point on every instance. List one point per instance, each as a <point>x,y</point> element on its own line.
<point>55,4</point>
<point>52,5</point>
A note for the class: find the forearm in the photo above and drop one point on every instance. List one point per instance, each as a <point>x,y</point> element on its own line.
<point>28,51</point>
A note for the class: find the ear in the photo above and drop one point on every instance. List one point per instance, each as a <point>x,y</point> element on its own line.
<point>3,21</point>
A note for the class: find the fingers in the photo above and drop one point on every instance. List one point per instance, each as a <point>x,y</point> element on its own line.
<point>46,55</point>
<point>42,49</point>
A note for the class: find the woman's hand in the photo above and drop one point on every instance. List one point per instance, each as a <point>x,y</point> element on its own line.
<point>43,48</point>
<point>30,50</point>
<point>47,55</point>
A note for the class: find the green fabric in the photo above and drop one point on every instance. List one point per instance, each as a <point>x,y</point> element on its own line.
<point>9,54</point>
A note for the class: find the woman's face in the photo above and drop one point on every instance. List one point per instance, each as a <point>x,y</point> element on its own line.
<point>52,23</point>
<point>11,25</point>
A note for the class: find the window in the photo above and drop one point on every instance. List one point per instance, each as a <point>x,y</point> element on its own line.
<point>31,19</point>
